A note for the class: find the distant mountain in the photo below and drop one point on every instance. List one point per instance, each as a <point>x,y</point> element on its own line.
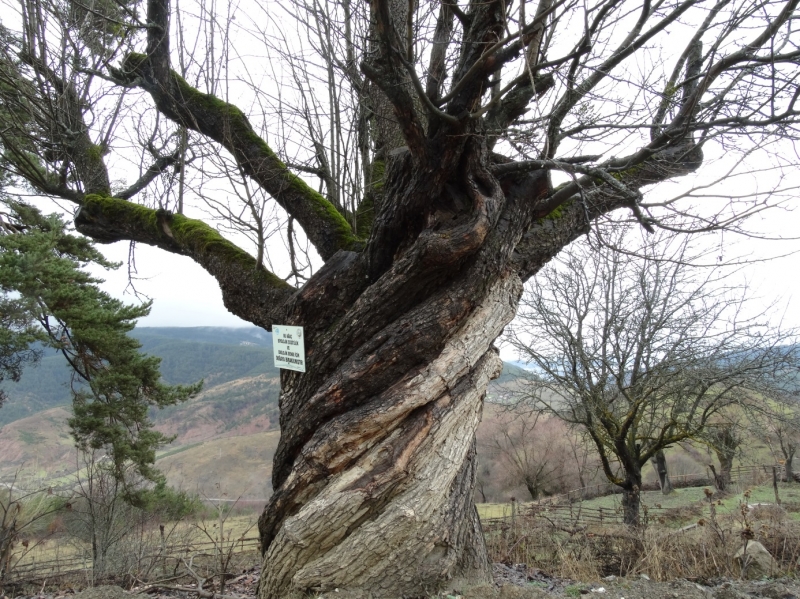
<point>239,400</point>
<point>224,438</point>
<point>216,354</point>
<point>217,335</point>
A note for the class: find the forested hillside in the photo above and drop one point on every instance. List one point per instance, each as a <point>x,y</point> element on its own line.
<point>215,354</point>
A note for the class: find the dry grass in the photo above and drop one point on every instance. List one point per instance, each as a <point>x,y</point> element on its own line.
<point>144,555</point>
<point>572,543</point>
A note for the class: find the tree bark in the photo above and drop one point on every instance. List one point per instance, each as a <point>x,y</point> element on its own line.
<point>660,464</point>
<point>533,488</point>
<point>631,498</point>
<point>788,454</point>
<point>383,499</point>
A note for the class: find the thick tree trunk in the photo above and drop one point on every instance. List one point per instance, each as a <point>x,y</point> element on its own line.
<point>533,489</point>
<point>631,498</point>
<point>660,465</point>
<point>383,499</point>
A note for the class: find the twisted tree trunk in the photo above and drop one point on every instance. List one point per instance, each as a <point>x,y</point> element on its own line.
<point>375,471</point>
<point>390,508</point>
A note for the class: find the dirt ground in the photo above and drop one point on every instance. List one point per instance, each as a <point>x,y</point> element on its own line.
<point>520,583</point>
<point>510,583</point>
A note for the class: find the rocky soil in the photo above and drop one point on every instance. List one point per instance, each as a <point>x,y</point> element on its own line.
<point>516,582</point>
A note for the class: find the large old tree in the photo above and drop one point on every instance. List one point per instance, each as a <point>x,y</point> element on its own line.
<point>426,158</point>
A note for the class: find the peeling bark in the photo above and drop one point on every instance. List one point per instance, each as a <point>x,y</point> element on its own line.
<point>394,511</point>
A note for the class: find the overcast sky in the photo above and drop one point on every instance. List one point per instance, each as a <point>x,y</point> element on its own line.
<point>185,295</point>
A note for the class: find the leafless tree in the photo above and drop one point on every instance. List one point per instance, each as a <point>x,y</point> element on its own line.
<point>659,461</point>
<point>430,157</point>
<point>643,352</point>
<point>725,438</point>
<point>22,510</point>
<point>533,451</point>
<point>780,425</point>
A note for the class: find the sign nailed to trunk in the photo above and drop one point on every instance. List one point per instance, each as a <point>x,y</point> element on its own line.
<point>288,347</point>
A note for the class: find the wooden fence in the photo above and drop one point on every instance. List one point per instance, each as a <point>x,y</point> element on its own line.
<point>172,553</point>
<point>562,510</point>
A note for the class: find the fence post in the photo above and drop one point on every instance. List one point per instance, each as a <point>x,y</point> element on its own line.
<point>775,484</point>
<point>514,514</point>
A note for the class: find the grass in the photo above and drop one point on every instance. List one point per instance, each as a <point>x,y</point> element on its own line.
<point>177,450</point>
<point>572,542</point>
<point>494,510</point>
<point>201,533</point>
<point>228,468</point>
<point>652,499</point>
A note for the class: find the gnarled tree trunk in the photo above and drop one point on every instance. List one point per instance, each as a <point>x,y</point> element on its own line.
<point>393,511</point>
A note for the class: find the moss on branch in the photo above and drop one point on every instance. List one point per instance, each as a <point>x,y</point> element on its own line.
<point>325,226</point>
<point>112,219</point>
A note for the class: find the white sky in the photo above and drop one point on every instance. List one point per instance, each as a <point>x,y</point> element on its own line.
<point>185,295</point>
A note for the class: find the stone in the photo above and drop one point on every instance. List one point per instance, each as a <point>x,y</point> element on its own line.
<point>776,590</point>
<point>755,561</point>
<point>103,592</point>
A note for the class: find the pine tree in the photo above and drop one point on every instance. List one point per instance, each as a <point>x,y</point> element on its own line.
<point>50,300</point>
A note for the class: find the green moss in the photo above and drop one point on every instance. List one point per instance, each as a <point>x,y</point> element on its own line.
<point>365,215</point>
<point>238,125</point>
<point>628,172</point>
<point>122,211</point>
<point>195,236</point>
<point>208,101</point>
<point>378,175</point>
<point>238,122</point>
<point>132,64</point>
<point>556,212</point>
<point>95,152</point>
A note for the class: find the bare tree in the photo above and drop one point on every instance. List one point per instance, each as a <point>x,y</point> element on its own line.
<point>725,438</point>
<point>644,352</point>
<point>431,157</point>
<point>781,423</point>
<point>21,511</point>
<point>533,451</point>
<point>101,515</point>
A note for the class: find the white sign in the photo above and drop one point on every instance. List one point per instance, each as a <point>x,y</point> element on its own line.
<point>288,347</point>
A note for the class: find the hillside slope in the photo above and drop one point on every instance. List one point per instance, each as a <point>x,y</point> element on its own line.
<point>215,354</point>
<point>224,438</point>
